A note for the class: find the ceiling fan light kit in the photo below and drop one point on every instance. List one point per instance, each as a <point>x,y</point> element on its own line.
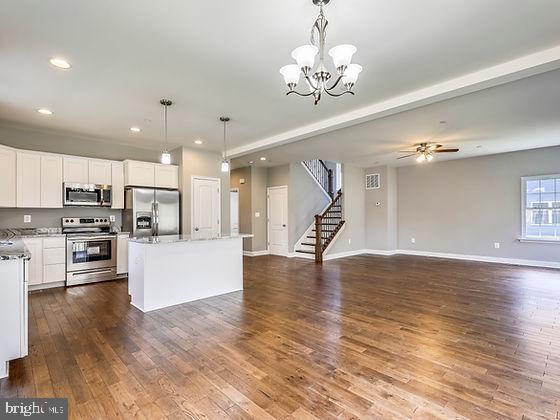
<point>425,152</point>
<point>317,81</point>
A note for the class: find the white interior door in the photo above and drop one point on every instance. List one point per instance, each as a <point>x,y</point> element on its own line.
<point>277,204</point>
<point>234,210</point>
<point>205,218</point>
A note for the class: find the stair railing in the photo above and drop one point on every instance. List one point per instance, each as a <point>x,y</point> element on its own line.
<point>325,229</point>
<point>322,174</point>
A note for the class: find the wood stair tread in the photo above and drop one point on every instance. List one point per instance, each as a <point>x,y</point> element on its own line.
<point>305,252</point>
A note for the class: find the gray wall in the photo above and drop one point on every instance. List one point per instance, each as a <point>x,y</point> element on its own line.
<point>381,210</point>
<point>202,163</point>
<point>245,199</point>
<point>352,238</point>
<point>259,178</point>
<point>279,176</point>
<point>464,206</point>
<point>305,200</point>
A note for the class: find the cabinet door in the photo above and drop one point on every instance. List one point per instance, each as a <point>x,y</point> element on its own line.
<point>8,178</point>
<point>76,170</point>
<point>140,174</point>
<point>51,181</point>
<point>122,254</point>
<point>54,273</point>
<point>167,176</point>
<point>99,172</point>
<point>117,186</point>
<point>28,179</point>
<point>35,247</point>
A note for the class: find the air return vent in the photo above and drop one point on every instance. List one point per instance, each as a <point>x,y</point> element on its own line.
<point>373,181</point>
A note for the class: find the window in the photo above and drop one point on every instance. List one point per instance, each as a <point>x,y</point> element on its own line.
<point>541,207</point>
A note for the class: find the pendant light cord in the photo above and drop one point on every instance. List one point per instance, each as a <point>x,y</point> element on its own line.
<point>225,147</point>
<point>165,128</point>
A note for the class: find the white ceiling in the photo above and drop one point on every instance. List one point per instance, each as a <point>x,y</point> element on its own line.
<point>519,115</point>
<point>222,57</point>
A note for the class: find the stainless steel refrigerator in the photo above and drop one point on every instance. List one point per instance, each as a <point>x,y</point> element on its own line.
<point>151,212</point>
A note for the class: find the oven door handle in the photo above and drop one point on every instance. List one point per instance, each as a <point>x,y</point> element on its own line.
<point>91,238</point>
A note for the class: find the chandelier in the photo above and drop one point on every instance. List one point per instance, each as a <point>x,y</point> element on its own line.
<point>317,81</point>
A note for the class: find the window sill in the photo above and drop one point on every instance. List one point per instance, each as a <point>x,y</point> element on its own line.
<point>539,241</point>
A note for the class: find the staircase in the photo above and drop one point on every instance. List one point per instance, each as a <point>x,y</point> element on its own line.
<point>328,224</point>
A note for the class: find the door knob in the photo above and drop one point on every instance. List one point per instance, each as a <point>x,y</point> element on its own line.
<point>196,229</point>
<point>283,225</point>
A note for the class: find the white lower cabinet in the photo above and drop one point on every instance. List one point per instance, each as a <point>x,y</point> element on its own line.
<point>122,253</point>
<point>48,260</point>
<point>35,266</point>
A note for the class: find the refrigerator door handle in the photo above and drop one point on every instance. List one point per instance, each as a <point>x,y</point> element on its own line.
<point>157,217</point>
<point>154,221</point>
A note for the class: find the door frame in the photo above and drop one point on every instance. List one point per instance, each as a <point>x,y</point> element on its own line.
<point>207,178</point>
<point>280,187</point>
<point>238,193</point>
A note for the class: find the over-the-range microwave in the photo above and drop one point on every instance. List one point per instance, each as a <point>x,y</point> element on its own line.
<point>87,195</point>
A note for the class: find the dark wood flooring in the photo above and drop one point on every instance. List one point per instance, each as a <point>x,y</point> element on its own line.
<point>361,337</point>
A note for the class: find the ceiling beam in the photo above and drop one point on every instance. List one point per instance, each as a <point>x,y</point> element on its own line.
<point>519,68</point>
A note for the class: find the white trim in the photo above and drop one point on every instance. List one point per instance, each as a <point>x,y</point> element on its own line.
<point>464,257</point>
<point>524,179</point>
<point>41,286</point>
<point>255,253</point>
<point>316,182</point>
<point>519,68</point>
<point>539,241</point>
<point>207,178</point>
<point>481,258</point>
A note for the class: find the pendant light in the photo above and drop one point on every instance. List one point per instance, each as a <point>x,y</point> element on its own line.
<point>225,161</point>
<point>165,155</point>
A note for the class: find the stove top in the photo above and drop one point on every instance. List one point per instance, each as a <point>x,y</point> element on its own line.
<point>86,225</point>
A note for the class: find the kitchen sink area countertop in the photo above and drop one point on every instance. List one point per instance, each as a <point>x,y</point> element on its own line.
<point>6,234</point>
<point>171,239</point>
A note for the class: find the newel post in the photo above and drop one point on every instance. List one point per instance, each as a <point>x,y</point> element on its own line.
<point>318,234</point>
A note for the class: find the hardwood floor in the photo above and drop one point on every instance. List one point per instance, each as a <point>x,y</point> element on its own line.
<point>361,337</point>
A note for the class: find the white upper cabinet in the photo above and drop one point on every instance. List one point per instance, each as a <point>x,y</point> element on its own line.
<point>76,170</point>
<point>51,181</point>
<point>166,176</point>
<point>8,178</point>
<point>141,174</point>
<point>99,172</point>
<point>117,186</point>
<point>28,179</point>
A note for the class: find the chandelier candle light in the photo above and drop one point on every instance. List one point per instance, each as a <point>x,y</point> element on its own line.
<point>165,155</point>
<point>317,80</point>
<point>225,161</point>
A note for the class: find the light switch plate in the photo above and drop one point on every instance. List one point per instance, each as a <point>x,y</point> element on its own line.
<point>27,218</point>
<point>257,214</point>
<point>242,181</point>
<point>112,218</point>
<point>412,240</point>
<point>496,245</point>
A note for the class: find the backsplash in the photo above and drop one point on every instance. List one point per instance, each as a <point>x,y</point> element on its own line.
<point>50,218</point>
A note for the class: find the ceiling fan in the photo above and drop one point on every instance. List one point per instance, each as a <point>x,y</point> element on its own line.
<point>426,151</point>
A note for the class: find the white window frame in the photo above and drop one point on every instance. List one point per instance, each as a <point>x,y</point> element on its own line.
<point>524,180</point>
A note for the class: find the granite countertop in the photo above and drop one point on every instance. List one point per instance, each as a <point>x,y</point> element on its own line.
<point>170,239</point>
<point>11,243</point>
<point>30,233</point>
<point>13,249</point>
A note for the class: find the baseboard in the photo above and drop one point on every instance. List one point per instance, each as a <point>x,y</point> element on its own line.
<point>345,254</point>
<point>383,252</point>
<point>43,286</point>
<point>255,253</point>
<point>465,257</point>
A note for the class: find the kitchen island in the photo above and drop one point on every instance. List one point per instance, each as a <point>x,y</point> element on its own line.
<point>174,269</point>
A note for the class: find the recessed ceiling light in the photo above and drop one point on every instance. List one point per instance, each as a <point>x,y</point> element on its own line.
<point>59,62</point>
<point>198,142</point>
<point>263,158</point>
<point>135,129</point>
<point>44,111</point>
<point>251,162</point>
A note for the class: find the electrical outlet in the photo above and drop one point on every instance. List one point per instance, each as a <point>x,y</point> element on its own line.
<point>497,245</point>
<point>257,214</point>
<point>412,240</point>
<point>349,240</point>
<point>112,218</point>
<point>27,218</point>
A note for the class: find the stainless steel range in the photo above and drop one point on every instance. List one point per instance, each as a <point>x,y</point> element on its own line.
<point>91,250</point>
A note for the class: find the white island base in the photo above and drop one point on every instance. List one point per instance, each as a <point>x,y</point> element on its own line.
<point>170,270</point>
